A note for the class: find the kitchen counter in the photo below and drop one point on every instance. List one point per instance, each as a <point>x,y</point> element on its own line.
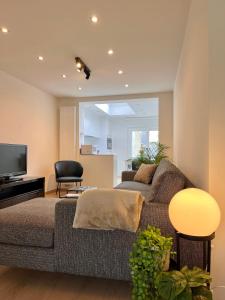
<point>99,170</point>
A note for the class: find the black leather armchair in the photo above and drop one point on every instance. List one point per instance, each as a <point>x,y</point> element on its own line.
<point>68,171</point>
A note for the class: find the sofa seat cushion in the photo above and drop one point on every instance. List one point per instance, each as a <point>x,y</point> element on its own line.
<point>29,223</point>
<point>145,189</point>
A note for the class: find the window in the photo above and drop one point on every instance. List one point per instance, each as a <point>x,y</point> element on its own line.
<point>141,139</point>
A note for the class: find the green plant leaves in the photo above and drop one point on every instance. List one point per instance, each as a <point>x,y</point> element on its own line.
<point>150,155</point>
<point>150,283</point>
<point>156,152</point>
<point>146,262</point>
<point>196,277</point>
<point>201,293</point>
<point>170,284</point>
<point>187,284</point>
<point>185,295</point>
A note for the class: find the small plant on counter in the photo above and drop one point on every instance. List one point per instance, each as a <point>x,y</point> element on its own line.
<point>150,256</point>
<point>184,285</point>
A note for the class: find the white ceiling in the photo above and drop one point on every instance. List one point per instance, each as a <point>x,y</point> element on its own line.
<point>146,36</point>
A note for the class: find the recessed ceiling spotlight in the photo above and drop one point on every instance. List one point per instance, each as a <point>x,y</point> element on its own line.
<point>94,19</point>
<point>41,58</point>
<point>120,72</point>
<point>110,52</point>
<point>63,75</point>
<point>126,85</point>
<point>4,30</point>
<point>79,88</point>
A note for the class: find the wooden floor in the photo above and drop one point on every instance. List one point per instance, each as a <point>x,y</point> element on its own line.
<point>21,284</point>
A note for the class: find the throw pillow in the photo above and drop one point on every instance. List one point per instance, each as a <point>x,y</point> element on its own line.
<point>145,173</point>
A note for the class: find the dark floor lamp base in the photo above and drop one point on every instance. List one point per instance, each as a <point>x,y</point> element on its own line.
<point>206,243</point>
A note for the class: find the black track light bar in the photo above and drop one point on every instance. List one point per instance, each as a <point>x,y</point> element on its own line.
<point>80,65</point>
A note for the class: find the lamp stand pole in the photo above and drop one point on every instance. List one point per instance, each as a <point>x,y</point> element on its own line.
<point>206,243</point>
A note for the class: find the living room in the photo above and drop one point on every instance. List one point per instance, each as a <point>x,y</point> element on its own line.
<point>172,51</point>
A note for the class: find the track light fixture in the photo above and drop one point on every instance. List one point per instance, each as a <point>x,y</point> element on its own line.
<point>81,66</point>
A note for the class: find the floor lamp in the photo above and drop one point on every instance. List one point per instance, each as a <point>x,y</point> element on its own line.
<point>195,215</point>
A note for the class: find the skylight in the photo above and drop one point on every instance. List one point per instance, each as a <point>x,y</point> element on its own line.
<point>116,109</point>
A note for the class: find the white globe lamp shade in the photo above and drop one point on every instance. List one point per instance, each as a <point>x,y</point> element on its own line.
<point>194,212</point>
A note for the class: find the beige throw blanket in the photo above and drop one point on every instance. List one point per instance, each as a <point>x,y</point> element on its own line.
<point>108,209</point>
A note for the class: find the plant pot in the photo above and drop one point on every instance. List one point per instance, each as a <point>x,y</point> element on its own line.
<point>135,165</point>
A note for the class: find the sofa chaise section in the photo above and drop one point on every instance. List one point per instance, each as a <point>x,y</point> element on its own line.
<point>27,234</point>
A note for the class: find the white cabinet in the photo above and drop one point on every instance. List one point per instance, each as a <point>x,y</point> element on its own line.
<point>67,133</point>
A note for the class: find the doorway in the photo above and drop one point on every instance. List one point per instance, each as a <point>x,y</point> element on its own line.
<point>120,127</point>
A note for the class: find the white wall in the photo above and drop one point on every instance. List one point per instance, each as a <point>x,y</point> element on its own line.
<point>191,107</point>
<point>199,114</point>
<point>166,121</point>
<point>217,131</point>
<point>29,116</point>
<point>67,133</point>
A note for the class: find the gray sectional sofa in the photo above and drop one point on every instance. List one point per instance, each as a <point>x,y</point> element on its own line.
<point>38,234</point>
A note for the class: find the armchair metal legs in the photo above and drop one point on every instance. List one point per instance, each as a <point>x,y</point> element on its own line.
<point>58,189</point>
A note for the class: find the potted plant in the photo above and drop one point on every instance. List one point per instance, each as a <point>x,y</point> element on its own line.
<point>150,255</point>
<point>185,284</point>
<point>150,155</point>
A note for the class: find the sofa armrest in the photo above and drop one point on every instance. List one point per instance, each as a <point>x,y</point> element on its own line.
<point>64,216</point>
<point>128,175</point>
<point>65,212</point>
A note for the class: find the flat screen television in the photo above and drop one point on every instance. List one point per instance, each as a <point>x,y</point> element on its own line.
<point>13,161</point>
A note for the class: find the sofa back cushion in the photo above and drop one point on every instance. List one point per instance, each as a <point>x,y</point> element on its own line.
<point>166,166</point>
<point>167,181</point>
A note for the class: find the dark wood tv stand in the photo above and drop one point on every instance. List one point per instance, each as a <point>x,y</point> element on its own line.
<point>15,192</point>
